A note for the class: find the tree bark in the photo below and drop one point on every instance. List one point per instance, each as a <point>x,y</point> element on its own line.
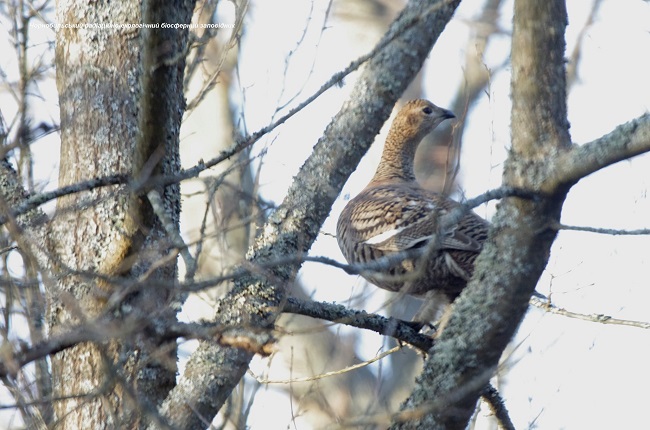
<point>120,113</point>
<point>488,312</point>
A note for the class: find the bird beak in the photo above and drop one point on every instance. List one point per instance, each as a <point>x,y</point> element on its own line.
<point>447,114</point>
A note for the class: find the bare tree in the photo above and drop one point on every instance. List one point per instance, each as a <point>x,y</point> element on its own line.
<point>101,271</point>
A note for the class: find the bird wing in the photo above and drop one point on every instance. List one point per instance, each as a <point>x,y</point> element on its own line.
<point>396,218</point>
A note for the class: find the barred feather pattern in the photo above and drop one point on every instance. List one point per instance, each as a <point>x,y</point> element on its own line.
<point>394,214</point>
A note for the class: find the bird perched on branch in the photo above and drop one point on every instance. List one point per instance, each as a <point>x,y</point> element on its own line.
<point>393,215</point>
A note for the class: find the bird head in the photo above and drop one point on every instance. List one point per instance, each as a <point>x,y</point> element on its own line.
<point>420,117</point>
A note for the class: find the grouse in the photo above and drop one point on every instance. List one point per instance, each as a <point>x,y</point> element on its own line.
<point>394,214</point>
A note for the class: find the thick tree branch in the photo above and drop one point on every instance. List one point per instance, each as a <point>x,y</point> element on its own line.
<point>213,372</point>
<point>396,328</point>
<point>400,330</point>
<point>104,330</point>
<point>625,141</point>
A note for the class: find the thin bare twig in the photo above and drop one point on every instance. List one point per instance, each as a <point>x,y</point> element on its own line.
<point>159,209</point>
<point>546,305</point>
<point>576,54</point>
<point>328,374</point>
<point>36,200</point>
<point>240,12</point>
<point>611,231</point>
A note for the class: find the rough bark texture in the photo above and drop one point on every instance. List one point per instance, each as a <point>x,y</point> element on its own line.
<point>626,141</point>
<point>213,371</point>
<point>489,311</point>
<point>114,119</point>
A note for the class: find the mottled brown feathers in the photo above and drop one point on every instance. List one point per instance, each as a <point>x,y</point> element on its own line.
<point>394,214</point>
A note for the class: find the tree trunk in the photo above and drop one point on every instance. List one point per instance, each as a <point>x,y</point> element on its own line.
<point>121,102</point>
<point>488,312</point>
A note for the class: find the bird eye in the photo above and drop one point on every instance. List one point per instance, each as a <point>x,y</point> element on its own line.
<point>427,110</point>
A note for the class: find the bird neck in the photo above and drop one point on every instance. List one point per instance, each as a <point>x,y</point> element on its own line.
<point>397,159</point>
